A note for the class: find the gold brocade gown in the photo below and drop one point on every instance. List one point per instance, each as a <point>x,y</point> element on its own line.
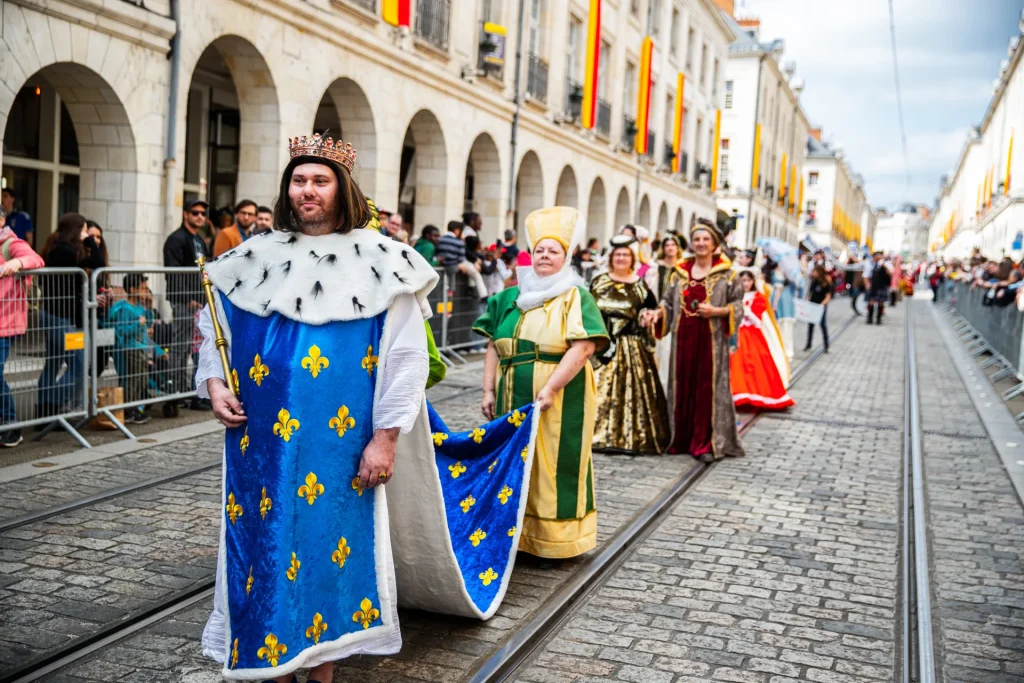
<point>632,413</point>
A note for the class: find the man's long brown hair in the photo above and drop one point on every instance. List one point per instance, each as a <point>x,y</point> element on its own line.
<point>353,212</point>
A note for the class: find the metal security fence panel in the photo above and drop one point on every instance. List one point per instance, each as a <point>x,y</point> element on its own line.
<point>44,345</point>
<point>465,307</point>
<point>440,306</point>
<point>145,326</point>
<point>999,326</point>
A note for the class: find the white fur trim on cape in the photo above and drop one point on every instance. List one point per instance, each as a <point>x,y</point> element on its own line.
<point>321,279</point>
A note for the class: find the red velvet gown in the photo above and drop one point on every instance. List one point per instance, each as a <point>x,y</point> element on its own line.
<point>694,374</point>
<point>753,374</point>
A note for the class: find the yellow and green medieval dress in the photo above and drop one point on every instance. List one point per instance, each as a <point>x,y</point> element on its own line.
<point>561,517</point>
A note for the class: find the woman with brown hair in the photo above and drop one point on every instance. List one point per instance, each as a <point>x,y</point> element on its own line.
<point>820,293</point>
<point>70,246</point>
<point>632,415</point>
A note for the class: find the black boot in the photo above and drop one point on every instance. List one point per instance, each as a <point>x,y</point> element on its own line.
<point>871,314</point>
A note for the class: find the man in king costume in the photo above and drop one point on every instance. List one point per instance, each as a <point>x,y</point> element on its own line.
<point>321,323</point>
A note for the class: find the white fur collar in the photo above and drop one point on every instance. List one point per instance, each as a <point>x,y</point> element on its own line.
<point>322,279</point>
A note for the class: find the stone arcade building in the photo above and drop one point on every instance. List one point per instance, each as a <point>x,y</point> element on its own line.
<point>86,101</point>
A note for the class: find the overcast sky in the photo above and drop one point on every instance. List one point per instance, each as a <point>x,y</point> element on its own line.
<point>949,53</point>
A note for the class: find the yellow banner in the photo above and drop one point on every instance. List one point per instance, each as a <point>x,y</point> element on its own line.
<point>717,144</point>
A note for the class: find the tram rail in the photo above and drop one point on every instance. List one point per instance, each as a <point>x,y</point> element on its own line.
<point>500,666</point>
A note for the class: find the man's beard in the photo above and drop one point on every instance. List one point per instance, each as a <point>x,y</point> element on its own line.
<point>319,225</point>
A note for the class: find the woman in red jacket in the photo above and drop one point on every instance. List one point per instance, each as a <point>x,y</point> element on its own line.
<point>15,255</point>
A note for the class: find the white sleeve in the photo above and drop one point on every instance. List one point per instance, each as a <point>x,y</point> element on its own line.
<point>406,367</point>
<point>209,357</point>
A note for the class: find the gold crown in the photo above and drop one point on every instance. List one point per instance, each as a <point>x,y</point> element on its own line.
<point>316,146</point>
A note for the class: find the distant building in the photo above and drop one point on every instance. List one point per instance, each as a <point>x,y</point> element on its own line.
<point>836,210</point>
<point>763,139</point>
<point>904,232</point>
<point>981,203</point>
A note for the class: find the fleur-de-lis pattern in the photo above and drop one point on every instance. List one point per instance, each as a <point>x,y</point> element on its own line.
<point>317,629</point>
<point>488,576</point>
<point>311,489</point>
<point>265,504</point>
<point>286,425</point>
<point>511,532</point>
<point>478,434</point>
<point>477,536</point>
<point>234,654</point>
<point>248,582</point>
<point>339,556</point>
<point>439,438</point>
<point>456,469</point>
<point>273,650</point>
<point>467,502</point>
<point>243,445</point>
<point>258,371</point>
<point>342,422</point>
<point>357,486</point>
<point>516,418</point>
<point>234,377</point>
<point>525,453</point>
<point>293,568</point>
<point>504,494</point>
<point>233,509</point>
<point>314,362</point>
<point>366,614</point>
<point>370,361</point>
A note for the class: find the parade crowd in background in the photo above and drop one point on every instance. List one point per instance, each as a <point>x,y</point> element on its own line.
<point>769,290</point>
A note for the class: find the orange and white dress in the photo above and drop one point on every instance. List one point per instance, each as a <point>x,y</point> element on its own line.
<point>754,375</point>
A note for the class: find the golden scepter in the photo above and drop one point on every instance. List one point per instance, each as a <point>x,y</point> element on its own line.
<point>218,334</point>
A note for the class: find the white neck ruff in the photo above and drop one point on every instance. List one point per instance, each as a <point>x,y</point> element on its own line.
<point>534,290</point>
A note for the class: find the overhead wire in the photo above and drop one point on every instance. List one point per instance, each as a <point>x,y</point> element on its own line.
<point>899,95</point>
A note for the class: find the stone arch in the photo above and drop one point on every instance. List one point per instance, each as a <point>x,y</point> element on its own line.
<point>597,212</point>
<point>644,217</point>
<point>566,193</point>
<point>345,112</point>
<point>622,212</point>
<point>483,185</point>
<point>232,90</point>
<point>677,226</point>
<point>423,178</point>
<point>529,188</point>
<point>663,219</point>
<point>69,146</point>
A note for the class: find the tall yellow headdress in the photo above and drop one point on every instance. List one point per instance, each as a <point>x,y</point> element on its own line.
<point>563,224</point>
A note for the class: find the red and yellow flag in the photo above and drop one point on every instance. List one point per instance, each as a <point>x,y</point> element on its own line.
<point>800,201</point>
<point>792,187</point>
<point>991,188</point>
<point>589,114</point>
<point>757,157</point>
<point>782,180</point>
<point>1009,158</point>
<point>714,154</point>
<point>643,103</point>
<point>677,129</point>
<point>395,12</point>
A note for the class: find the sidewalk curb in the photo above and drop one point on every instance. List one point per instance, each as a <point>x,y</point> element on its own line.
<point>83,456</point>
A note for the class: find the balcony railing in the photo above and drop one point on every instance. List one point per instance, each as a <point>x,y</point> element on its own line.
<point>651,154</point>
<point>432,17</point>
<point>537,78</point>
<point>604,118</point>
<point>669,156</point>
<point>628,132</point>
<point>573,100</point>
<point>368,5</point>
<point>684,163</point>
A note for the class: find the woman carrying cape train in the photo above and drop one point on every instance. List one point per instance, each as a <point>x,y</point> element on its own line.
<point>321,323</point>
<point>543,333</point>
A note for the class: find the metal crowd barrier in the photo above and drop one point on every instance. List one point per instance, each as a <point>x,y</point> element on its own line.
<point>995,330</point>
<point>76,347</point>
<point>145,325</point>
<point>44,346</point>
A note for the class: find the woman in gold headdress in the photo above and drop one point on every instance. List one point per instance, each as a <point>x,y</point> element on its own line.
<point>702,307</point>
<point>543,332</point>
<point>632,416</point>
